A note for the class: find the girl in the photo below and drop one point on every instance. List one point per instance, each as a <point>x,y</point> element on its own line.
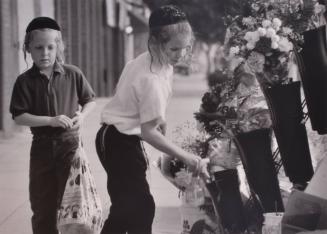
<point>47,98</point>
<point>137,112</point>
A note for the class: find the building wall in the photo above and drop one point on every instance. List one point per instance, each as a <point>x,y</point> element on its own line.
<point>9,46</point>
<point>88,41</point>
<point>26,11</point>
<point>15,15</point>
<point>140,43</point>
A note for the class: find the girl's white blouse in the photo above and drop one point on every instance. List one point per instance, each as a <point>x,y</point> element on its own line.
<point>141,95</point>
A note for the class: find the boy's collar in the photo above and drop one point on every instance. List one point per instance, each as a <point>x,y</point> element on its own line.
<point>57,68</point>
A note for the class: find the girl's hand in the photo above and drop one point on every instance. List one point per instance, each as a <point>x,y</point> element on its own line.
<point>204,173</point>
<point>201,168</point>
<point>78,120</point>
<point>162,128</point>
<point>61,121</point>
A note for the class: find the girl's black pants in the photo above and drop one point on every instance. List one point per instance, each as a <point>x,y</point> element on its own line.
<point>132,205</point>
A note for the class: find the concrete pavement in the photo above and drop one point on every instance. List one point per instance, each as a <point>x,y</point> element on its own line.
<point>15,210</point>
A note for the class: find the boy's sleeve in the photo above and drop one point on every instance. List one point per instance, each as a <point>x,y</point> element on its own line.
<point>20,99</point>
<point>85,91</point>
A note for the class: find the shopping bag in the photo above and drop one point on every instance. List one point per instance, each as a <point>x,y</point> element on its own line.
<point>80,211</point>
<point>272,223</point>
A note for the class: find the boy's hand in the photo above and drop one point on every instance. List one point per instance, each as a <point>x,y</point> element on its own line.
<point>78,120</point>
<point>61,121</point>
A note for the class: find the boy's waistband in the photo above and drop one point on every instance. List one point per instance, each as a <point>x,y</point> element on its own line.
<point>65,133</point>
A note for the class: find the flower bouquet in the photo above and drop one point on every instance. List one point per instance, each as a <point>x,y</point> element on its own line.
<point>265,45</point>
<point>190,139</point>
<point>196,203</point>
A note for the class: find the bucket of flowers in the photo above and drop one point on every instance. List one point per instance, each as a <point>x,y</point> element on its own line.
<point>267,41</point>
<point>231,111</point>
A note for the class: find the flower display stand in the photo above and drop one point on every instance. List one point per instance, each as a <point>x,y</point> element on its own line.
<point>313,68</point>
<point>227,200</point>
<point>257,160</point>
<point>284,103</point>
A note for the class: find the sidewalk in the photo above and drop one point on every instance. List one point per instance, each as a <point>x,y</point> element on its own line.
<point>15,210</point>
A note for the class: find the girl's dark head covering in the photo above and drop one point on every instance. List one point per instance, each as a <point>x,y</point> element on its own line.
<point>42,22</point>
<point>166,15</point>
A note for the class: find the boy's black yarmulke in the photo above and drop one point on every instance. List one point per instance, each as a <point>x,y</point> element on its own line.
<point>42,22</point>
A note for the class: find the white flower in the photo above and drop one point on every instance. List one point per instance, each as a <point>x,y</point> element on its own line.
<point>275,38</point>
<point>248,36</point>
<point>282,59</point>
<point>276,23</point>
<point>250,46</point>
<point>270,32</point>
<point>252,37</point>
<point>256,36</point>
<point>255,6</point>
<point>287,30</point>
<point>233,51</point>
<point>274,45</point>
<point>262,31</point>
<point>266,23</point>
<point>285,45</point>
<point>248,21</point>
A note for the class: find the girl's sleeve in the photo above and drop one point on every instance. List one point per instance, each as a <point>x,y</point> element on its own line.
<point>21,99</point>
<point>151,100</point>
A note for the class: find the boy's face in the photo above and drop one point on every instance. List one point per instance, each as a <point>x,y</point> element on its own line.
<point>43,49</point>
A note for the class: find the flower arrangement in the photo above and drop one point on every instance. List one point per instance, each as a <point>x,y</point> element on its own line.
<point>267,37</point>
<point>191,140</point>
<point>235,104</point>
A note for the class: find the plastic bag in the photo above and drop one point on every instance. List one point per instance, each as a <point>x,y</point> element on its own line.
<point>80,211</point>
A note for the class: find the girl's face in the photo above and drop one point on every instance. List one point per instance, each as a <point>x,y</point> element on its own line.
<point>177,47</point>
<point>43,49</point>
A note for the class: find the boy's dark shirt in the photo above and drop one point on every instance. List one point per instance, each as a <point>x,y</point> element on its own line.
<point>67,90</point>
